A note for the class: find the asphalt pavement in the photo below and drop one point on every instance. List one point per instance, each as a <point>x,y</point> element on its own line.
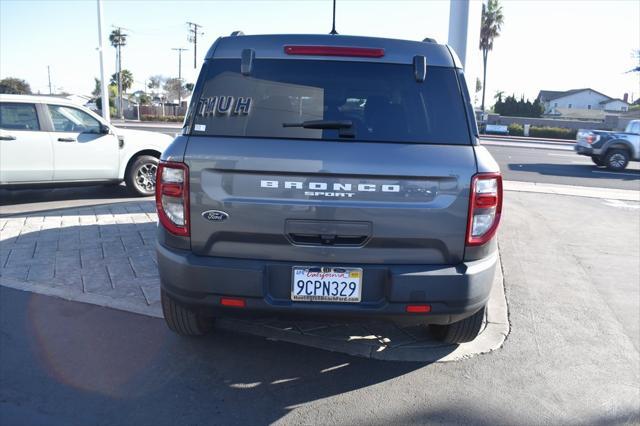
<point>39,200</point>
<point>571,357</point>
<point>526,160</point>
<point>554,163</point>
<point>571,274</point>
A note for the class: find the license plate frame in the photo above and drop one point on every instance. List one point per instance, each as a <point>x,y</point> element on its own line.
<point>331,279</point>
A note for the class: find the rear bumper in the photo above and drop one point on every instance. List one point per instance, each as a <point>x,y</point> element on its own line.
<point>454,292</point>
<point>586,150</point>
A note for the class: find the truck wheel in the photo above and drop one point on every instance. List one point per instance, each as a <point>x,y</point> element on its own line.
<point>182,320</point>
<point>141,175</point>
<point>459,332</point>
<point>597,161</point>
<point>616,159</point>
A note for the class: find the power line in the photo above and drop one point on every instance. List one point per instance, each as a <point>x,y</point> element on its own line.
<point>193,38</point>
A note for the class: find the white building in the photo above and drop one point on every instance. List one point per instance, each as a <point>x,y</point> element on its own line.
<point>581,99</point>
<point>617,105</point>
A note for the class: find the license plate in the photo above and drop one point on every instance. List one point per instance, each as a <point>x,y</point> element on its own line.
<point>326,284</point>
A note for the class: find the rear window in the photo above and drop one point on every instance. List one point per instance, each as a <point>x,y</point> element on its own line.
<point>383,102</point>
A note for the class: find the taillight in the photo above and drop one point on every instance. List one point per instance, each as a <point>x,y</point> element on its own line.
<point>485,208</point>
<point>588,136</point>
<point>172,197</point>
<point>362,52</point>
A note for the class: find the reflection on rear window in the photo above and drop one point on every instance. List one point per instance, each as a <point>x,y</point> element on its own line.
<point>383,102</point>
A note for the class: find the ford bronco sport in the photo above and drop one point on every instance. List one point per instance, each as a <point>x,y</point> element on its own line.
<point>328,175</point>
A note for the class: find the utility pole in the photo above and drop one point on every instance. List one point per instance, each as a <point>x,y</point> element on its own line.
<point>180,50</point>
<point>193,38</point>
<point>49,75</point>
<point>119,40</point>
<point>103,83</point>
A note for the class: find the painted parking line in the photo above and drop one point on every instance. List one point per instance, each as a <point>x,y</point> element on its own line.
<point>616,173</point>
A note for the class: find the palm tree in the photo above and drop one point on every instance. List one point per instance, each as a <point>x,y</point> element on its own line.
<point>118,39</point>
<point>492,20</point>
<point>126,80</point>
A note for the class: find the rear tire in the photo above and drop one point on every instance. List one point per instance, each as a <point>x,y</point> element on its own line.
<point>141,175</point>
<point>182,320</point>
<point>459,332</point>
<point>597,161</point>
<point>616,159</point>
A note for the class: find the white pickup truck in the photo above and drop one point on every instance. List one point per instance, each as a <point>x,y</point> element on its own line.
<point>49,141</point>
<point>613,150</point>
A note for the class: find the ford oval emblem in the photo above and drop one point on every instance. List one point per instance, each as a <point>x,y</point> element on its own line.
<point>215,215</point>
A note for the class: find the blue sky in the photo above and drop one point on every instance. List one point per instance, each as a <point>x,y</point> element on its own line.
<point>544,45</point>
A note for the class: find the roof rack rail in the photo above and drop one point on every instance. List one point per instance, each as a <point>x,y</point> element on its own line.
<point>429,40</point>
<point>236,33</point>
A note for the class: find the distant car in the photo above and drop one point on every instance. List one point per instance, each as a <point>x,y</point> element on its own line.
<point>46,141</point>
<point>613,150</point>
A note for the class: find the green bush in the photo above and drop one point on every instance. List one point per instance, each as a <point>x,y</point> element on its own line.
<point>516,129</point>
<point>552,132</point>
<point>166,118</point>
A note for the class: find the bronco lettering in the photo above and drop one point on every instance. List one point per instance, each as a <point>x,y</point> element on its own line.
<point>335,187</point>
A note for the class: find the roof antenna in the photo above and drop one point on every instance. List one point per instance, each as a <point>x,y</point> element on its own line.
<point>333,28</point>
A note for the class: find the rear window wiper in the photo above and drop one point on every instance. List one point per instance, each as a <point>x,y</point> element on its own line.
<point>322,124</point>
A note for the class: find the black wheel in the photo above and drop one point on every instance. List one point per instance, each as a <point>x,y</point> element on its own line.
<point>461,331</point>
<point>141,175</point>
<point>183,320</point>
<point>616,159</point>
<point>597,161</point>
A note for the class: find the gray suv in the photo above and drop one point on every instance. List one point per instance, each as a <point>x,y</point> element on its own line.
<point>328,176</point>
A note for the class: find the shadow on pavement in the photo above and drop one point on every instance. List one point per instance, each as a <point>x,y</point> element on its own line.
<point>575,170</point>
<point>120,367</point>
<point>70,363</point>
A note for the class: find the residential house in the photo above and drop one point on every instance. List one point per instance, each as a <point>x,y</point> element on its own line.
<point>555,102</point>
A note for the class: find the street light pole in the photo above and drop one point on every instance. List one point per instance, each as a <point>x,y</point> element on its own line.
<point>103,81</point>
<point>49,75</point>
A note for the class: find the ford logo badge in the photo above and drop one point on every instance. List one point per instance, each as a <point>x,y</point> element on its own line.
<point>215,215</point>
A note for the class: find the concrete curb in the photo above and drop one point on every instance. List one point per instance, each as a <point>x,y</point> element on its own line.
<point>105,256</point>
<point>77,296</point>
<point>576,191</point>
<point>527,139</point>
<point>419,348</point>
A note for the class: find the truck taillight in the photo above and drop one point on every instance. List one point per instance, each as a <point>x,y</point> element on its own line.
<point>485,208</point>
<point>172,197</point>
<point>587,136</point>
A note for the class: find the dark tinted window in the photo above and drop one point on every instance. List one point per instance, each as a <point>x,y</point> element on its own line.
<point>382,101</point>
<point>18,116</point>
